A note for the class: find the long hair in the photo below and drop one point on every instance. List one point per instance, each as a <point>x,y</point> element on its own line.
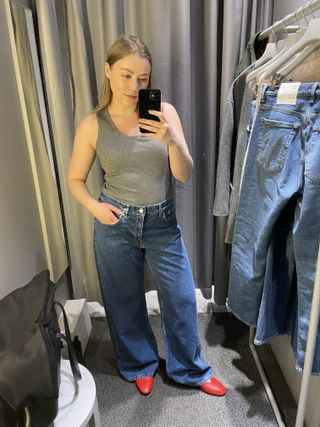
<point>123,46</point>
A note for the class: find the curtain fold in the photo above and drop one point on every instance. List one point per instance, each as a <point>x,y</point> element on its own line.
<point>83,101</point>
<point>58,89</point>
<point>195,47</point>
<point>40,149</point>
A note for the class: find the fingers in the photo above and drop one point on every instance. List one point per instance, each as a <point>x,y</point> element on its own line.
<point>157,114</point>
<point>111,213</point>
<point>150,128</point>
<point>115,210</point>
<point>155,128</point>
<point>114,214</point>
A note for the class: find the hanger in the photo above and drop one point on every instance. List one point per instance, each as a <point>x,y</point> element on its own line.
<point>301,56</point>
<point>293,17</point>
<point>296,61</point>
<point>269,52</point>
<point>310,38</point>
<point>290,41</point>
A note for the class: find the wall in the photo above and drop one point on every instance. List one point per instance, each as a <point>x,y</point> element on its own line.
<point>281,345</point>
<point>22,252</point>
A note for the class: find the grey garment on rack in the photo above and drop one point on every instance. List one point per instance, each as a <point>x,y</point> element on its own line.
<point>253,51</point>
<point>242,141</point>
<point>232,145</point>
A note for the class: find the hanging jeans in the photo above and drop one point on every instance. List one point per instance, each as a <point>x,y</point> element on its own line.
<point>150,234</point>
<point>277,230</point>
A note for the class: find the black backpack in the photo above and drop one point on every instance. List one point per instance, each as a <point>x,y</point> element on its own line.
<point>30,354</point>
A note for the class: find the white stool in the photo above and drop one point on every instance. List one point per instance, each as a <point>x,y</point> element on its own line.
<point>78,404</point>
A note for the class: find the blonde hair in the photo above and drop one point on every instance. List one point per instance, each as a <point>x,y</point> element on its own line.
<point>123,46</point>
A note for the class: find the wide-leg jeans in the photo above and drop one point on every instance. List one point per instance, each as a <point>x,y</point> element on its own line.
<point>277,230</point>
<point>149,234</point>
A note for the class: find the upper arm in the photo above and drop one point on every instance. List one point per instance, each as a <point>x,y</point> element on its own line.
<point>171,115</point>
<point>84,148</point>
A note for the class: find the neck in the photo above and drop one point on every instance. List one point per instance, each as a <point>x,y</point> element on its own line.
<point>119,109</point>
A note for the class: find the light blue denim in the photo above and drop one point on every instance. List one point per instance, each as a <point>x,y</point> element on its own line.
<point>277,230</point>
<point>151,234</point>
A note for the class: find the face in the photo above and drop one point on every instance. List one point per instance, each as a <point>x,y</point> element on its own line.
<point>127,76</point>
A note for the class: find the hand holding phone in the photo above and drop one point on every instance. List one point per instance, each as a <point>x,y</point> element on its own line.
<point>149,99</point>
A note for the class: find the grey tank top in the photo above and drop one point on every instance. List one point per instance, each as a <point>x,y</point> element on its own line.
<point>136,168</point>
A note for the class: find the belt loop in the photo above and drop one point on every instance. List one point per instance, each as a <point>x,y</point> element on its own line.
<point>260,96</point>
<point>313,92</point>
<point>160,209</point>
<point>263,90</point>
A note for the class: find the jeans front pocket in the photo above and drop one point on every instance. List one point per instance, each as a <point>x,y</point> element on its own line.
<point>274,140</point>
<point>168,213</point>
<point>121,217</point>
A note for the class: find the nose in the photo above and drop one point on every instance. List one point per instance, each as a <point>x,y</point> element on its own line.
<point>135,84</point>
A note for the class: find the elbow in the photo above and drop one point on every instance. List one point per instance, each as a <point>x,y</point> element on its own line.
<point>184,177</point>
<point>71,185</point>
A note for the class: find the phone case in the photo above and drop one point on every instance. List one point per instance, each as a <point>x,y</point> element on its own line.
<point>149,99</point>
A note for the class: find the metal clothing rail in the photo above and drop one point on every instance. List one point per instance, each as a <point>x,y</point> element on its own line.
<point>300,13</point>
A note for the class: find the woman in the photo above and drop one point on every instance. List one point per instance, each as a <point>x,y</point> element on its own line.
<point>135,222</point>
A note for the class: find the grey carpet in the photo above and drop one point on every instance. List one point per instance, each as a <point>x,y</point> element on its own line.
<point>225,347</point>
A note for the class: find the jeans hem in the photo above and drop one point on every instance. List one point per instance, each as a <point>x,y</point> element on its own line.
<point>300,369</point>
<point>230,310</point>
<point>140,376</point>
<point>204,380</point>
<point>267,340</point>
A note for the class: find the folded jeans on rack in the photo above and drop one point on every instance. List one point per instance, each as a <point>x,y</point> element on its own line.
<point>277,229</point>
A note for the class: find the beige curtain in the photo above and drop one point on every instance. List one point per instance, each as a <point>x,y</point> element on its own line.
<point>196,45</point>
<point>39,144</point>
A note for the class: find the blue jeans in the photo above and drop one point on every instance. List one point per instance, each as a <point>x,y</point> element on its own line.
<point>151,234</point>
<point>277,230</point>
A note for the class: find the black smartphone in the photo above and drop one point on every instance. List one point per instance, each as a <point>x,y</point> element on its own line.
<point>149,99</point>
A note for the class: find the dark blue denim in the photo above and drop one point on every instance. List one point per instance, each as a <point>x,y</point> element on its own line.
<point>277,230</point>
<point>151,234</point>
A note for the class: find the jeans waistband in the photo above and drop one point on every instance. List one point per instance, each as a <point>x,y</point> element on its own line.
<point>308,91</point>
<point>148,209</point>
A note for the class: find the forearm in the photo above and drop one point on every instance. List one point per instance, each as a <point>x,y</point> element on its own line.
<point>181,162</point>
<point>80,192</point>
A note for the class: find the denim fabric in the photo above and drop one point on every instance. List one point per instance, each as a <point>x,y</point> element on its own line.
<point>151,234</point>
<point>277,228</point>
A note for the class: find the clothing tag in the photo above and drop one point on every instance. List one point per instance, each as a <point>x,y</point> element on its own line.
<point>287,93</point>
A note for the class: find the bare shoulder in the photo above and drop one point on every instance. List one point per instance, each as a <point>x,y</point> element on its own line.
<point>171,114</point>
<point>87,129</point>
<point>168,109</point>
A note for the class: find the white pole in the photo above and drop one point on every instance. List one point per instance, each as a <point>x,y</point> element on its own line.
<point>311,342</point>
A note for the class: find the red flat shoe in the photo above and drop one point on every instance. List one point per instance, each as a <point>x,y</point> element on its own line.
<point>213,387</point>
<point>144,385</point>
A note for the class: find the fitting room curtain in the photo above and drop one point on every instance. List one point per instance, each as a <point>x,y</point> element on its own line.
<point>195,45</point>
<point>38,141</point>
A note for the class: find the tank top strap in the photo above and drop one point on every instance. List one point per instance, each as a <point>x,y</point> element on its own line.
<point>104,121</point>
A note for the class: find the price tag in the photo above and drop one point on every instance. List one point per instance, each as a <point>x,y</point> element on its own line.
<point>287,93</point>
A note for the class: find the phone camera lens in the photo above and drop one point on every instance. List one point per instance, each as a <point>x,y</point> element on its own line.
<point>153,95</point>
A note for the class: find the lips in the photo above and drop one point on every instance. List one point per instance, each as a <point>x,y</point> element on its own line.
<point>132,97</point>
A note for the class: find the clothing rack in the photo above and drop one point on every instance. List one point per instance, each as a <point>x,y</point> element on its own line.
<point>293,17</point>
<point>309,356</point>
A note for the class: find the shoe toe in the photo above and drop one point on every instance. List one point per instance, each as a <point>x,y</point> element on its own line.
<point>144,385</point>
<point>214,387</point>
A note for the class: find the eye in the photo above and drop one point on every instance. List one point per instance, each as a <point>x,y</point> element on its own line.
<point>127,76</point>
<point>144,80</point>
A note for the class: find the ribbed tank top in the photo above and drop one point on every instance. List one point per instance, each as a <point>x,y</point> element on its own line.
<point>136,167</point>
